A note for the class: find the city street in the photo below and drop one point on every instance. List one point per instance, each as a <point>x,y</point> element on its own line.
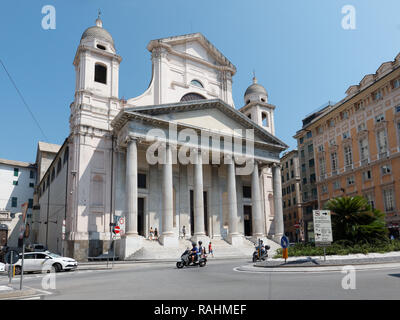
<point>218,280</point>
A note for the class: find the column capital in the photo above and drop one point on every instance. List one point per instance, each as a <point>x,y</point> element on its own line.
<point>128,139</point>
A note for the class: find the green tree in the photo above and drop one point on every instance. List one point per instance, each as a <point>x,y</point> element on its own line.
<point>354,219</point>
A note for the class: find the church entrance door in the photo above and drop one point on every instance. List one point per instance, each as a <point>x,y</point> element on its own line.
<point>247,220</point>
<point>140,223</point>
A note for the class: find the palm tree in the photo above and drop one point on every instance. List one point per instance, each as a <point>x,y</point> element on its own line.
<point>355,220</point>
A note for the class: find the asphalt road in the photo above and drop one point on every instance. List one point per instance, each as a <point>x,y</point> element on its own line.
<point>218,280</point>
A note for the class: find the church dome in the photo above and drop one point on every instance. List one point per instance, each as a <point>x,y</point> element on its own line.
<point>255,92</point>
<point>97,32</point>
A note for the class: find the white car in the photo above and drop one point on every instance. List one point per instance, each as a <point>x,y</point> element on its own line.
<point>43,262</point>
<point>2,267</point>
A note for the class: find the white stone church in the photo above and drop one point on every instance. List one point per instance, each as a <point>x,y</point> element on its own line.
<point>103,169</point>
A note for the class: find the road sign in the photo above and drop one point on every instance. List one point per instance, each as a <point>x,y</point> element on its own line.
<point>116,229</point>
<point>322,227</point>
<point>11,254</point>
<point>284,242</point>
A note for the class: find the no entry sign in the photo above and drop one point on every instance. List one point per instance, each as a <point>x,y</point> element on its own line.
<point>117,229</point>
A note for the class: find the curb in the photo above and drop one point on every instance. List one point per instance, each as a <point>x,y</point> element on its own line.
<point>316,269</point>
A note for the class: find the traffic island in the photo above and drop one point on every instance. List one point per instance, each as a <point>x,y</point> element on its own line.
<point>315,261</point>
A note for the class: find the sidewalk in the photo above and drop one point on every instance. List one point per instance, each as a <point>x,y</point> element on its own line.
<point>7,292</point>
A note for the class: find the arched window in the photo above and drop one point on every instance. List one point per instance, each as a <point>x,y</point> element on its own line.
<point>192,96</point>
<point>196,83</point>
<point>264,118</point>
<point>100,73</point>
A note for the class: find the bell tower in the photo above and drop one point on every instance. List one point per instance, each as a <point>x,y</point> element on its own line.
<point>257,107</point>
<point>91,142</point>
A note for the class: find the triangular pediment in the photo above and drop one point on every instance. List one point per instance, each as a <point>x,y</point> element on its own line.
<point>195,45</point>
<point>212,115</point>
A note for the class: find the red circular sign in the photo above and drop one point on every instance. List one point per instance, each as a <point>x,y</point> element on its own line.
<point>117,229</point>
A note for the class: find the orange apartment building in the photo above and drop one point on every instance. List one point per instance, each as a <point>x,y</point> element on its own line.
<point>357,144</point>
<point>291,197</point>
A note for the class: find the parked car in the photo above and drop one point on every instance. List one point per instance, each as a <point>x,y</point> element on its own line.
<point>44,261</point>
<point>36,247</point>
<point>2,267</point>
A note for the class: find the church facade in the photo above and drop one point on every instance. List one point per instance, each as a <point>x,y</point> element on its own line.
<point>180,154</point>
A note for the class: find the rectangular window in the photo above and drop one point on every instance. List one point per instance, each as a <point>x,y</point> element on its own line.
<point>301,140</point>
<point>334,161</point>
<point>364,149</point>
<point>311,163</point>
<point>386,169</point>
<point>348,157</point>
<point>377,95</point>
<point>31,185</point>
<point>321,148</point>
<point>322,167</point>
<point>246,192</point>
<point>336,185</point>
<point>396,84</point>
<point>16,170</point>
<point>15,183</point>
<point>350,180</point>
<point>142,180</point>
<point>310,149</point>
<point>382,141</point>
<point>389,200</point>
<point>312,178</point>
<point>309,134</point>
<point>303,167</point>
<point>304,180</point>
<point>371,200</point>
<point>30,203</point>
<point>302,153</point>
<point>379,118</point>
<point>292,174</point>
<point>361,127</point>
<point>31,174</point>
<point>324,188</point>
<point>14,201</point>
<point>346,135</point>
<point>366,175</point>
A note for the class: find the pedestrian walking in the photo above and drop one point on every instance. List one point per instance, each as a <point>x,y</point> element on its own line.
<point>184,232</point>
<point>151,233</point>
<point>210,250</point>
<point>155,233</point>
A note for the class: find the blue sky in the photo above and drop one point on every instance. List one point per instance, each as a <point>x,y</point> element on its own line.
<point>299,50</point>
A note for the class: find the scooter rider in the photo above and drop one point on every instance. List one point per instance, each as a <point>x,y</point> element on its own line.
<point>194,252</point>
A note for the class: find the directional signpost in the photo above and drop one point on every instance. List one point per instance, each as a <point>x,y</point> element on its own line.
<point>322,228</point>
<point>284,245</point>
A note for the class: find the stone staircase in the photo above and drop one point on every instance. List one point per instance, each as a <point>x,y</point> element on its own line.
<point>153,250</point>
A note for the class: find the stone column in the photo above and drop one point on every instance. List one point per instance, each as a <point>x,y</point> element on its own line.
<point>198,198</point>
<point>216,203</point>
<point>167,234</point>
<point>234,236</point>
<point>131,241</point>
<point>278,210</point>
<point>256,199</point>
<point>131,188</point>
